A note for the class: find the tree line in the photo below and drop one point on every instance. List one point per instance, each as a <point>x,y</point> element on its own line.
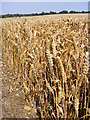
<point>43,13</point>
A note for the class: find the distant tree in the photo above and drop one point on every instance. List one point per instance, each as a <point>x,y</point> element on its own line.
<point>36,14</point>
<point>73,11</point>
<point>83,11</point>
<point>63,12</point>
<point>51,12</point>
<point>41,13</point>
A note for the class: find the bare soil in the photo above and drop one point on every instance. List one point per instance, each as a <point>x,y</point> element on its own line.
<point>13,99</point>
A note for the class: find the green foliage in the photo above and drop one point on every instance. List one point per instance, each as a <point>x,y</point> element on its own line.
<point>63,12</point>
<point>43,13</point>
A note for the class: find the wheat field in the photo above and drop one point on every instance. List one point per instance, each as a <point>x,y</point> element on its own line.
<point>49,54</point>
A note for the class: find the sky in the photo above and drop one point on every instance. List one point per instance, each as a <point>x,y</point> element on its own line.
<point>37,7</point>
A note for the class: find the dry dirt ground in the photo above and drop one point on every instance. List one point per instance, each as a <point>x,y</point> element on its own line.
<point>13,105</point>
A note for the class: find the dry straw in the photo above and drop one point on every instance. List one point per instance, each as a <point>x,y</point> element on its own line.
<point>49,55</point>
